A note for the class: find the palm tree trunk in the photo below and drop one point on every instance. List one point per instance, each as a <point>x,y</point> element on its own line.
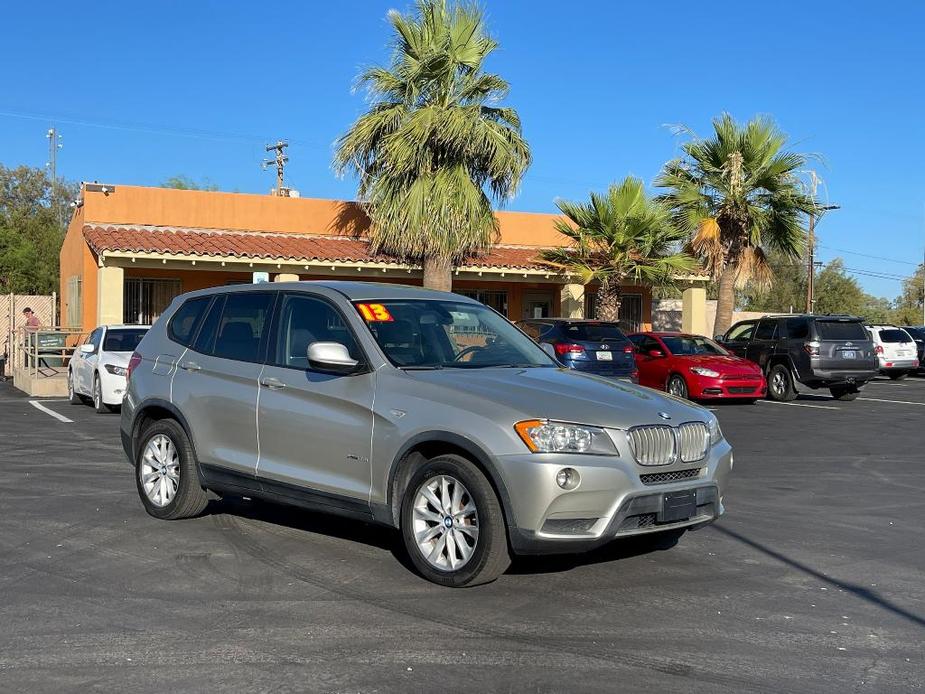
<point>438,273</point>
<point>725,300</point>
<point>607,307</point>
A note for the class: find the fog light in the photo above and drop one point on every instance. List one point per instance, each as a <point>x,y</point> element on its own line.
<point>567,478</point>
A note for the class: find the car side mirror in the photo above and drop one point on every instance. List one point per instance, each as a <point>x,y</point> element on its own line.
<point>331,356</point>
<point>655,353</point>
<point>87,349</point>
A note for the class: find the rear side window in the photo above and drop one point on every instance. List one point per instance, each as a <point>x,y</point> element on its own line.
<point>894,335</point>
<point>797,328</point>
<point>532,329</point>
<point>593,332</point>
<point>243,325</point>
<point>841,330</point>
<point>183,324</point>
<point>766,330</point>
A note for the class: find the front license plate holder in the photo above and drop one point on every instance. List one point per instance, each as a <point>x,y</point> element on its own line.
<point>678,506</point>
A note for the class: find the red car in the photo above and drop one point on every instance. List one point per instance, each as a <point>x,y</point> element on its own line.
<point>695,367</point>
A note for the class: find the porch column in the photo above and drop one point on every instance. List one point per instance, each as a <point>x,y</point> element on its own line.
<point>572,301</point>
<point>694,310</point>
<point>285,277</point>
<point>110,292</point>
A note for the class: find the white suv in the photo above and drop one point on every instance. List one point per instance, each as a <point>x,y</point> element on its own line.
<point>895,349</point>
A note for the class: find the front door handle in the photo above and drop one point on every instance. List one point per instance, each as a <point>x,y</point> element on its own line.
<point>272,383</point>
<point>190,366</point>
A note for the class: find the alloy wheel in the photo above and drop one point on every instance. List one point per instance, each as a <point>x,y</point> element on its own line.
<point>778,383</point>
<point>97,394</point>
<point>160,470</point>
<point>445,523</point>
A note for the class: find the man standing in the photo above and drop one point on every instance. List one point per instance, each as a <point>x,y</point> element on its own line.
<point>32,320</point>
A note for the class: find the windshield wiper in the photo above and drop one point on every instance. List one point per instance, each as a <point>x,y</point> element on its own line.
<point>421,367</point>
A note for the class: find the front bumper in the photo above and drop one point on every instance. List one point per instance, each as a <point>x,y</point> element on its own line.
<point>615,498</point>
<point>112,387</point>
<point>729,387</point>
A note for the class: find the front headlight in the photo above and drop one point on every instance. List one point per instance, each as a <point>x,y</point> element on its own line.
<point>115,370</point>
<point>701,371</point>
<point>716,434</point>
<point>543,436</point>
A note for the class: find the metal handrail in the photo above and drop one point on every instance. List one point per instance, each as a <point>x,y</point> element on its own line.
<point>33,349</point>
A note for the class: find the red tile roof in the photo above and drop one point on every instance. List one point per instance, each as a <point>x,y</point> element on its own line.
<point>300,248</point>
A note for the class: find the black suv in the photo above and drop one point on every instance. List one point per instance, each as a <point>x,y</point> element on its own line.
<point>833,352</point>
<point>592,346</point>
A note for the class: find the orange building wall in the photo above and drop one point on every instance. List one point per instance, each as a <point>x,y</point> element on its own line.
<point>76,259</point>
<point>244,212</point>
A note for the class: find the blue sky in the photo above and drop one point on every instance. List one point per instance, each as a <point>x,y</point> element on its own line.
<point>143,91</point>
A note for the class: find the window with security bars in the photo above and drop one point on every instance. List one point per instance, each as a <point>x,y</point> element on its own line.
<point>494,298</point>
<point>74,302</point>
<point>145,299</point>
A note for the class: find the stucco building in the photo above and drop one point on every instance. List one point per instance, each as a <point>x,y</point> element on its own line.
<point>130,250</point>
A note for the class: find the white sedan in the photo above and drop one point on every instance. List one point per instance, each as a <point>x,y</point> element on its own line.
<point>97,369</point>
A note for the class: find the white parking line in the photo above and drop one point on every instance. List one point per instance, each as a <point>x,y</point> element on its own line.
<point>800,404</point>
<point>60,417</point>
<point>895,402</point>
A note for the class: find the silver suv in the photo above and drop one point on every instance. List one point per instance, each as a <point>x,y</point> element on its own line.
<point>421,410</point>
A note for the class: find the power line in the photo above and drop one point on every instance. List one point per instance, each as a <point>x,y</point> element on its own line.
<point>867,255</point>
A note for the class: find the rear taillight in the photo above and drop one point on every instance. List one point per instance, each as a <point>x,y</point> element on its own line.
<point>564,349</point>
<point>811,348</point>
<point>133,361</point>
<point>628,349</point>
<point>878,349</point>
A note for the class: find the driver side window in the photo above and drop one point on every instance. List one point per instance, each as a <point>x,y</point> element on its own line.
<point>304,320</point>
<point>741,332</point>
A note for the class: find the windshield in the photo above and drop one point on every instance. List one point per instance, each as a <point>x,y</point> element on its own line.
<point>593,332</point>
<point>686,345</point>
<point>123,340</point>
<point>435,334</point>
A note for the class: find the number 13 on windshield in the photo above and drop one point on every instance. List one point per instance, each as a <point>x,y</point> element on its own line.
<point>375,313</point>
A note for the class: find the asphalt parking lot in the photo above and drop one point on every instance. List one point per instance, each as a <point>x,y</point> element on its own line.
<point>812,582</point>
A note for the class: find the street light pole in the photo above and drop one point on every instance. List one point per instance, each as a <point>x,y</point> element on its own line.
<point>811,245</point>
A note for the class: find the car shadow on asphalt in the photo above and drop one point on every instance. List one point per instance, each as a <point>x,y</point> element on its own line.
<point>315,522</point>
<point>862,592</point>
<point>353,530</point>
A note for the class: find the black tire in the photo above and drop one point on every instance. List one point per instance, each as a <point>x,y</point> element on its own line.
<point>190,498</point>
<point>72,396</point>
<point>780,384</point>
<point>97,391</point>
<point>665,539</point>
<point>677,386</point>
<point>490,556</point>
<point>898,375</point>
<point>845,393</point>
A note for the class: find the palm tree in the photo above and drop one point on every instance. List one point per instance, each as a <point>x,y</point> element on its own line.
<point>618,237</point>
<point>435,147</point>
<point>737,195</point>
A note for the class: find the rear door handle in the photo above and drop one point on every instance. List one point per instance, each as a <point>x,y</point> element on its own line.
<point>190,366</point>
<point>272,383</point>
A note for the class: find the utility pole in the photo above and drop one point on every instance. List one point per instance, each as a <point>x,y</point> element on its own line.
<point>54,144</point>
<point>811,244</point>
<point>280,162</point>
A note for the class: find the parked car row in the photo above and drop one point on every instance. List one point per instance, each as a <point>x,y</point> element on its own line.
<point>430,413</point>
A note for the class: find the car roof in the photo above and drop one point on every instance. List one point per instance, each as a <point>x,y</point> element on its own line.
<point>123,325</point>
<point>559,319</point>
<point>354,291</point>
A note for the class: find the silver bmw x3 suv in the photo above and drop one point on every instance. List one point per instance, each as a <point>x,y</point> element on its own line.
<point>421,410</point>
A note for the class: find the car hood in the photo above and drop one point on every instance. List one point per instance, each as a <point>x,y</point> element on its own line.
<point>565,395</point>
<point>722,363</point>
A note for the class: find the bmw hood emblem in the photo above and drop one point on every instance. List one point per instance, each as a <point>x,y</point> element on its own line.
<point>664,415</point>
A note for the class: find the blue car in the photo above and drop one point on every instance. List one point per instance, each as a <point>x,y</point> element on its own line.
<point>593,346</point>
